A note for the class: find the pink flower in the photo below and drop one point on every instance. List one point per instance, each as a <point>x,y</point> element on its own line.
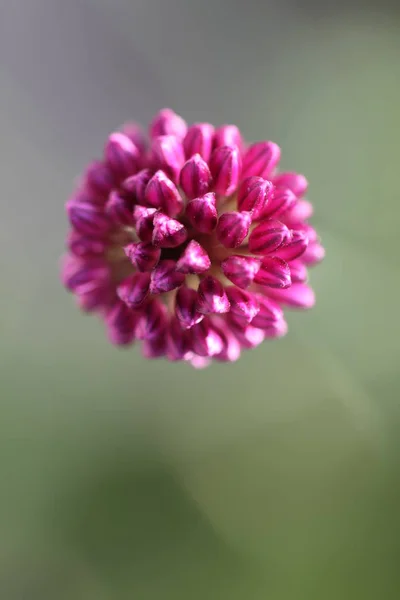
<point>191,243</point>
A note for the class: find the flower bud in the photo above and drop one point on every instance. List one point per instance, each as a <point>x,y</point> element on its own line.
<point>243,304</point>
<point>143,255</point>
<point>199,140</point>
<point>119,210</point>
<point>211,296</point>
<point>194,259</point>
<point>298,271</point>
<point>85,246</point>
<point>121,155</point>
<point>254,195</point>
<point>269,312</point>
<point>298,295</point>
<point>155,347</point>
<point>121,323</point>
<point>168,233</point>
<point>165,277</point>
<point>225,166</point>
<point>161,193</point>
<point>88,219</point>
<point>206,341</point>
<point>233,228</point>
<point>135,185</point>
<point>99,178</point>
<point>261,159</point>
<point>228,135</point>
<point>185,307</point>
<point>169,155</point>
<point>135,133</point>
<point>241,270</point>
<point>295,182</point>
<point>202,213</point>
<point>294,247</point>
<point>78,273</point>
<point>274,272</point>
<point>313,254</point>
<point>167,122</point>
<point>153,320</point>
<point>177,340</point>
<point>268,236</point>
<point>144,222</point>
<point>195,177</point>
<point>280,203</point>
<point>134,289</point>
<point>299,211</point>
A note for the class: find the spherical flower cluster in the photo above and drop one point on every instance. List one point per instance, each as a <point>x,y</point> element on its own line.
<point>191,242</point>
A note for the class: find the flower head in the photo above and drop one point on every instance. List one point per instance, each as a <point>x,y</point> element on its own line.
<point>190,243</point>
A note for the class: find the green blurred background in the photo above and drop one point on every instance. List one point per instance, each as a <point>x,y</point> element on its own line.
<point>275,477</point>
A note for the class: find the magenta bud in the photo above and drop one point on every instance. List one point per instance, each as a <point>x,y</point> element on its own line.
<point>153,320</point>
<point>243,304</point>
<point>121,322</point>
<point>299,212</point>
<point>119,209</point>
<point>249,336</point>
<point>202,213</point>
<point>194,259</point>
<point>268,236</point>
<point>233,228</point>
<point>199,140</point>
<point>96,296</point>
<point>241,270</point>
<point>85,246</point>
<point>228,135</point>
<point>294,247</point>
<point>185,307</point>
<point>230,345</point>
<point>211,296</point>
<point>162,193</point>
<point>100,178</point>
<point>298,295</point>
<point>134,289</point>
<point>135,185</point>
<point>168,233</point>
<point>261,159</point>
<point>298,271</point>
<point>254,195</point>
<point>295,182</point>
<point>86,195</point>
<point>277,330</point>
<point>274,272</point>
<point>88,219</point>
<point>77,274</point>
<point>135,133</point>
<point>144,222</point>
<point>281,201</point>
<point>206,340</point>
<point>165,277</point>
<point>309,231</point>
<point>167,122</point>
<point>121,154</point>
<point>225,166</point>
<point>269,312</point>
<point>313,254</point>
<point>177,340</point>
<point>169,155</point>
<point>198,362</point>
<point>195,178</point>
<point>155,347</point>
<point>143,255</point>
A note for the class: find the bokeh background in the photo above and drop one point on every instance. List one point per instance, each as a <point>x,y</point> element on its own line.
<point>276,477</point>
